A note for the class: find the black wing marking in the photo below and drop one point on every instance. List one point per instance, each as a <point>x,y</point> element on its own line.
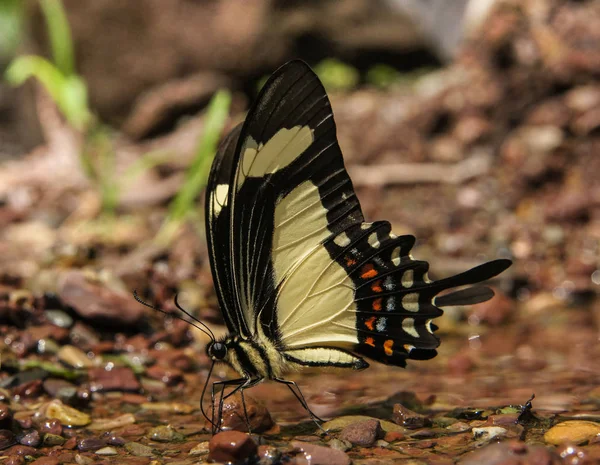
<point>218,232</point>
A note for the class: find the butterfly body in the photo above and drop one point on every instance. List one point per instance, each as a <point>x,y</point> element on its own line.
<point>302,280</point>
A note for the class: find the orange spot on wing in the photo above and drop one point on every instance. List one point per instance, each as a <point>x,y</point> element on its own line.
<point>370,342</point>
<point>368,271</point>
<point>349,261</point>
<point>376,286</point>
<point>370,323</point>
<point>377,304</point>
<point>387,347</point>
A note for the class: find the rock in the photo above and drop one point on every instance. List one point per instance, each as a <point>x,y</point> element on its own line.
<point>268,455</point>
<point>339,423</point>
<point>90,444</point>
<point>488,433</point>
<point>572,431</point>
<point>231,446</point>
<point>94,301</point>
<point>139,450</point>
<point>67,415</point>
<point>53,440</point>
<point>169,376</point>
<point>511,453</point>
<point>409,419</point>
<point>164,433</point>
<point>233,416</point>
<point>342,445</point>
<point>29,390</point>
<point>107,451</point>
<point>200,449</point>
<point>5,416</point>
<point>106,424</point>
<point>7,439</point>
<point>52,426</point>
<point>74,357</point>
<point>363,434</point>
<point>30,438</point>
<point>117,379</point>
<point>493,312</point>
<point>46,461</point>
<point>319,455</point>
<point>59,318</point>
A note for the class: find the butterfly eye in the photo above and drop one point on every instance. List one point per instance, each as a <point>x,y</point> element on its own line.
<point>217,351</point>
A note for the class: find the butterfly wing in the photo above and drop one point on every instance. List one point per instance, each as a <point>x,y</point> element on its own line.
<point>305,271</point>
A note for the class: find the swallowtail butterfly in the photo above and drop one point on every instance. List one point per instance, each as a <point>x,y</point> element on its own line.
<point>302,280</point>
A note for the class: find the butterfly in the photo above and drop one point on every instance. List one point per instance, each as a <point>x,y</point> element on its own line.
<point>301,279</point>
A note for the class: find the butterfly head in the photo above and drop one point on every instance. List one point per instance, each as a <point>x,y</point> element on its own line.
<point>217,350</point>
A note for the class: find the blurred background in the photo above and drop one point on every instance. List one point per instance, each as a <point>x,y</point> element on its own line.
<point>474,125</point>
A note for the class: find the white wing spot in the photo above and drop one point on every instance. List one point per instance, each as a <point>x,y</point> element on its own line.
<point>393,236</point>
<point>426,278</point>
<point>408,325</point>
<point>365,226</point>
<point>342,240</point>
<point>389,284</point>
<point>390,304</point>
<point>374,241</point>
<point>411,302</point>
<point>381,324</point>
<point>220,198</point>
<point>408,278</point>
<point>396,256</point>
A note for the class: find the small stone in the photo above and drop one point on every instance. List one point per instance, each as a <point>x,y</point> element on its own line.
<point>15,460</point>
<point>84,460</point>
<point>53,440</point>
<point>52,426</point>
<point>113,440</point>
<point>90,444</point>
<point>268,455</point>
<point>7,439</point>
<point>339,423</point>
<point>29,390</point>
<point>341,444</point>
<point>393,436</point>
<point>31,438</point>
<point>67,415</point>
<point>231,446</point>
<point>140,450</point>
<point>46,461</point>
<point>409,419</point>
<point>511,453</point>
<point>5,416</point>
<point>489,433</point>
<point>74,357</point>
<point>169,376</point>
<point>59,318</point>
<point>458,427</point>
<point>572,431</point>
<point>107,451</point>
<point>363,434</point>
<point>200,449</point>
<point>106,424</point>
<point>116,379</point>
<point>234,416</point>
<point>319,455</point>
<point>164,433</point>
<point>169,407</point>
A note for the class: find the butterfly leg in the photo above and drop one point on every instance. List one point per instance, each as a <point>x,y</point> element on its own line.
<point>291,385</point>
<point>241,387</point>
<point>238,382</point>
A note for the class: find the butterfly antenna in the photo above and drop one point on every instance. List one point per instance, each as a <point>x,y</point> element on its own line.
<point>192,323</point>
<point>212,336</point>
<point>210,420</point>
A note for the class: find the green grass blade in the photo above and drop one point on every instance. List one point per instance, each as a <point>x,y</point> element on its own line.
<point>197,174</point>
<point>26,66</point>
<point>59,33</point>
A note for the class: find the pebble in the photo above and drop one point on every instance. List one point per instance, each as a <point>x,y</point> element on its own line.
<point>7,439</point>
<point>30,389</point>
<point>169,376</point>
<point>234,417</point>
<point>68,416</point>
<point>116,379</point>
<point>107,451</point>
<point>52,426</point>
<point>94,301</point>
<point>231,446</point>
<point>164,433</point>
<point>488,433</point>
<point>15,460</point>
<point>90,444</point>
<point>572,431</point>
<point>200,449</point>
<point>320,455</point>
<point>46,461</point>
<point>59,318</point>
<point>268,455</point>
<point>139,450</point>
<point>409,419</point>
<point>339,423</point>
<point>31,438</point>
<point>106,424</point>
<point>74,357</point>
<point>5,416</point>
<point>53,440</point>
<point>363,434</point>
<point>341,444</point>
<point>169,407</point>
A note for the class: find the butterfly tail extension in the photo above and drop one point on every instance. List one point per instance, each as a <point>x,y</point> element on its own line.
<point>395,301</point>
